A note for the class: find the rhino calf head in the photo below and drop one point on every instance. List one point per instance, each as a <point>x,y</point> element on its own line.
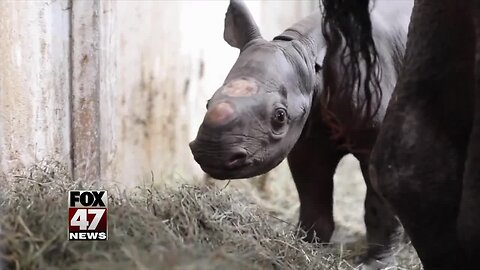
<point>255,118</point>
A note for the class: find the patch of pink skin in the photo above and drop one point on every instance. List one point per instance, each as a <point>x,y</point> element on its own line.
<point>240,88</point>
<point>220,113</point>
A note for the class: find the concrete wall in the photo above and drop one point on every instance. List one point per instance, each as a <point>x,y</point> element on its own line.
<point>34,82</point>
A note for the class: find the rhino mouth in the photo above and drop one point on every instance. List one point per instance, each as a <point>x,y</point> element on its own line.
<point>251,169</point>
<point>237,162</point>
<point>243,171</point>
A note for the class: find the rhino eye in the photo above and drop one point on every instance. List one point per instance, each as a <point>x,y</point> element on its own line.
<point>280,116</point>
<point>208,102</point>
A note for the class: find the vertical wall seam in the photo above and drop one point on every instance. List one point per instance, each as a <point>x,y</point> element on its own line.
<point>98,86</point>
<point>85,41</point>
<point>70,88</point>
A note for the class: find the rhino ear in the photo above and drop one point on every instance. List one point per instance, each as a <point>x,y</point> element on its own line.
<point>240,28</point>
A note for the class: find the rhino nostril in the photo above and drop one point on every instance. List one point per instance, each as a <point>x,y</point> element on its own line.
<point>237,159</point>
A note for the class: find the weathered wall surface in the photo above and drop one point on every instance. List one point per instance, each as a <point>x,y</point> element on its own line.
<point>34,82</point>
<point>144,110</point>
<point>115,89</point>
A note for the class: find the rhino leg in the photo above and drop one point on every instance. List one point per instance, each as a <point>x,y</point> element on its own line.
<point>383,228</point>
<point>312,163</point>
<point>422,181</point>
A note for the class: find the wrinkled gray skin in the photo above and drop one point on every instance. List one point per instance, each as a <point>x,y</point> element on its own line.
<point>427,156</point>
<point>266,110</point>
<point>251,143</point>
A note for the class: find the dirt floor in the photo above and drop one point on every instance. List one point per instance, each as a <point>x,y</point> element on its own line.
<point>237,225</point>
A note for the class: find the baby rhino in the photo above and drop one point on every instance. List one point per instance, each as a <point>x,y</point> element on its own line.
<point>273,106</point>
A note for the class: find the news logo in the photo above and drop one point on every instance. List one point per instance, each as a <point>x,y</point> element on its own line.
<point>87,215</point>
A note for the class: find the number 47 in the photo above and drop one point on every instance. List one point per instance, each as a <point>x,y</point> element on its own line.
<point>80,218</point>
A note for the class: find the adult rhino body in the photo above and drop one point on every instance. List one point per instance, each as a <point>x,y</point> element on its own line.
<point>427,156</point>
<point>275,104</point>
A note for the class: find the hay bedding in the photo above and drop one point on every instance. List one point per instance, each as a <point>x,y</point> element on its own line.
<point>189,227</point>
